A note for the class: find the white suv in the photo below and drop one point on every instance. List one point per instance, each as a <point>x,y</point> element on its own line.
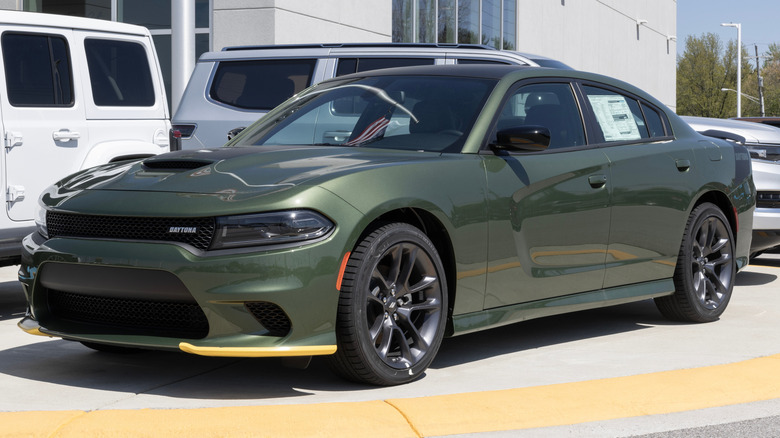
<point>235,87</point>
<point>763,142</point>
<point>74,93</point>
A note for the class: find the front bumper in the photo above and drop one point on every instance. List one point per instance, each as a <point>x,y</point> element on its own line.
<point>766,219</point>
<point>122,293</point>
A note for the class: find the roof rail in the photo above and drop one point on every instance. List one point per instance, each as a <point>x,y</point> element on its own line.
<point>335,45</point>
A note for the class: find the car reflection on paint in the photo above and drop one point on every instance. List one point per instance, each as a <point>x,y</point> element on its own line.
<point>372,215</point>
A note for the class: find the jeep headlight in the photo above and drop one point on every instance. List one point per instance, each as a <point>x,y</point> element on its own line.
<point>40,220</point>
<point>269,228</point>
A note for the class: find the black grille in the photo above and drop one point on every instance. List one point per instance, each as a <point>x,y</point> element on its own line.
<point>126,316</point>
<point>194,231</point>
<point>768,200</point>
<point>271,316</point>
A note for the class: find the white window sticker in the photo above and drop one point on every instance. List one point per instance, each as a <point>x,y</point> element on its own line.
<point>615,117</point>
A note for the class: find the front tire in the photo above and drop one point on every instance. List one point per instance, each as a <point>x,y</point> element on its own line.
<point>392,308</point>
<point>705,271</point>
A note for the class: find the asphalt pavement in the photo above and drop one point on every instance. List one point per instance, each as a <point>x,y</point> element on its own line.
<point>617,372</point>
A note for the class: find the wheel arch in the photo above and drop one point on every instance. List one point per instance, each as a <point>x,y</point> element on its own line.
<point>720,200</point>
<point>432,227</point>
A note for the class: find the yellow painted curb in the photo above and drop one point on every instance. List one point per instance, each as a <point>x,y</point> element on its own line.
<point>35,423</point>
<point>358,420</point>
<point>595,400</point>
<point>523,408</point>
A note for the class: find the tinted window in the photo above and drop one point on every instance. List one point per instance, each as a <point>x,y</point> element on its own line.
<point>37,70</point>
<point>356,65</point>
<point>654,122</point>
<point>618,116</point>
<point>260,84</point>
<point>549,105</point>
<point>119,73</point>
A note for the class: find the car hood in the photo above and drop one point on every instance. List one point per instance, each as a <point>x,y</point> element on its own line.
<point>238,170</point>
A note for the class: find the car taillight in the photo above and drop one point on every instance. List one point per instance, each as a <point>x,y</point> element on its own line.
<point>185,131</point>
<point>178,132</point>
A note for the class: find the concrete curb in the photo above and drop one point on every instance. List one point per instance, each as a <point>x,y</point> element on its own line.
<point>512,409</point>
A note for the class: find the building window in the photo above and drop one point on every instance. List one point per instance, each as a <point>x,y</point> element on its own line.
<point>468,21</point>
<point>489,22</point>
<point>509,29</point>
<point>448,15</point>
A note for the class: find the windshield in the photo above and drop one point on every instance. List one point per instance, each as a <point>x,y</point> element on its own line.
<point>431,113</point>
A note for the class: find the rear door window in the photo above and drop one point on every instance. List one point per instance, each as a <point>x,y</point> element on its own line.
<point>260,84</point>
<point>618,116</point>
<point>357,65</point>
<point>37,70</point>
<point>119,73</point>
<point>621,117</point>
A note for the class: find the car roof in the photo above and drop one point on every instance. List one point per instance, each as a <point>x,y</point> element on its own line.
<point>467,70</point>
<point>752,132</point>
<point>498,72</point>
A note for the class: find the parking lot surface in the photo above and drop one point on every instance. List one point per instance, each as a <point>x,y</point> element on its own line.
<point>620,371</point>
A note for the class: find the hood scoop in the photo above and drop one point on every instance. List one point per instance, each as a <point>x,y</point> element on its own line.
<point>175,164</point>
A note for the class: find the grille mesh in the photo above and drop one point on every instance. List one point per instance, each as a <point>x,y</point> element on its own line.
<point>126,316</point>
<point>271,316</point>
<point>768,200</point>
<point>132,228</point>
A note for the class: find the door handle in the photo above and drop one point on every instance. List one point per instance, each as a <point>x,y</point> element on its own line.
<point>682,165</point>
<point>65,135</point>
<point>597,181</point>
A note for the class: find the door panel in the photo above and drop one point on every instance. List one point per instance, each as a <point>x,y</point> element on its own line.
<point>44,118</point>
<point>651,188</point>
<point>548,227</point>
<point>651,192</point>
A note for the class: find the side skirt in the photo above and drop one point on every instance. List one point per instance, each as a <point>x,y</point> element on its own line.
<point>496,317</point>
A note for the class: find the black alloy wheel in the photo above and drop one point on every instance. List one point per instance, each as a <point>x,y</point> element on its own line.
<point>392,308</point>
<point>706,268</point>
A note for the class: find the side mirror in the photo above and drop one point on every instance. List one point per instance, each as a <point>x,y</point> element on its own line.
<point>234,132</point>
<point>523,138</point>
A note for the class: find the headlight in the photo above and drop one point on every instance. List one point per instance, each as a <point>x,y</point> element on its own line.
<point>40,220</point>
<point>269,228</point>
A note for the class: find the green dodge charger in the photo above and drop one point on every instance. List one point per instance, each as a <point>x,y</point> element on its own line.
<point>372,215</point>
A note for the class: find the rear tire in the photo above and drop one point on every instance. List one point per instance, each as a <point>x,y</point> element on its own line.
<point>392,307</point>
<point>705,272</point>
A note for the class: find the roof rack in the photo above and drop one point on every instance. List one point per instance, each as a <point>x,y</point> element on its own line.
<point>336,45</point>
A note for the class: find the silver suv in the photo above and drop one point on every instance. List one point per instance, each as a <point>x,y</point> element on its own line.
<point>236,86</point>
<point>763,142</point>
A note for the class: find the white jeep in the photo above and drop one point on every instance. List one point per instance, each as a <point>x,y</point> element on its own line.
<point>74,93</point>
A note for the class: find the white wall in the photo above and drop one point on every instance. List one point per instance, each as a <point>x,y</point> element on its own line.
<point>245,22</point>
<point>601,36</point>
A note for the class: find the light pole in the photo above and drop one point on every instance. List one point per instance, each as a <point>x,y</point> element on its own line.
<point>749,97</point>
<point>739,64</point>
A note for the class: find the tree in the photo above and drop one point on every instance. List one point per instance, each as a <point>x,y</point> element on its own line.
<point>770,70</point>
<point>702,71</point>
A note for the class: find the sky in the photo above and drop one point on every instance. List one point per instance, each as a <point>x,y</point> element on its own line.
<point>759,19</point>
